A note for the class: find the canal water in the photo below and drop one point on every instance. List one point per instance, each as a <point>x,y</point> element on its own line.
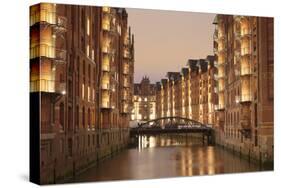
<point>168,156</point>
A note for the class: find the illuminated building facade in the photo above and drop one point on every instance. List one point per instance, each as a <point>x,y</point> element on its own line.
<point>81,71</point>
<point>243,47</point>
<point>144,101</point>
<point>190,93</point>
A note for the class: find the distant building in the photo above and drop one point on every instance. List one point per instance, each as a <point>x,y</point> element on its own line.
<point>144,101</point>
<point>189,93</point>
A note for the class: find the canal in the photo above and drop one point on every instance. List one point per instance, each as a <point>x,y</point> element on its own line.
<point>168,156</point>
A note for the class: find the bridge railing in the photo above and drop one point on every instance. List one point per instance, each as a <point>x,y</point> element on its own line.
<point>171,123</point>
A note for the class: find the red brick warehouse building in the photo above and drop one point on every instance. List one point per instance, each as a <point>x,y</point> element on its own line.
<point>81,71</point>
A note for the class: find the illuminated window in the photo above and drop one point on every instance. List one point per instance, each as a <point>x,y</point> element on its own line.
<point>145,99</point>
<point>88,50</point>
<point>89,93</point>
<point>88,26</point>
<point>83,92</point>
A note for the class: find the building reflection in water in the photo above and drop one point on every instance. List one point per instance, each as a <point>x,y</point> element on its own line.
<point>168,156</point>
<point>193,158</point>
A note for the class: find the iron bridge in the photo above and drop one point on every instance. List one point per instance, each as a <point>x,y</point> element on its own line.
<point>174,125</point>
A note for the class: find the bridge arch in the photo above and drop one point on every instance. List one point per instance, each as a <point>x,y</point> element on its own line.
<point>171,121</point>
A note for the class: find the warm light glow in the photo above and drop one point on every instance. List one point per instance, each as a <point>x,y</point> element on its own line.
<point>83,90</point>
<point>88,93</point>
<point>88,50</point>
<point>88,26</point>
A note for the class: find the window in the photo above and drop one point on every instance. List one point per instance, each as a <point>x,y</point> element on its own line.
<point>89,118</point>
<point>83,117</point>
<point>89,73</point>
<point>88,26</point>
<point>78,76</point>
<point>83,91</point>
<point>88,93</point>
<point>84,67</point>
<point>88,50</point>
<point>77,117</point>
<point>61,118</point>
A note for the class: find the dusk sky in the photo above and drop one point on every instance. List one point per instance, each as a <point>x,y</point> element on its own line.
<point>165,40</point>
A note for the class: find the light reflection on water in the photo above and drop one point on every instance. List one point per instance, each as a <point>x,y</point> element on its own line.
<point>168,156</point>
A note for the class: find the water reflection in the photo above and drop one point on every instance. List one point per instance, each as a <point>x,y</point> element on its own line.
<point>168,156</point>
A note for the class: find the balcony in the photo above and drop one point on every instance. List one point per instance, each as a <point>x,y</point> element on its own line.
<point>219,107</point>
<point>105,68</point>
<point>219,76</point>
<point>106,9</point>
<point>237,18</point>
<point>220,88</point>
<point>126,54</point>
<point>105,104</point>
<point>108,26</point>
<point>49,86</point>
<point>61,24</point>
<point>245,51</point>
<point>41,14</point>
<point>245,98</point>
<point>245,32</point>
<point>245,71</point>
<point>107,50</point>
<point>221,50</point>
<point>60,57</point>
<point>44,50</point>
<point>126,69</point>
<point>49,16</point>
<point>126,84</point>
<point>105,85</point>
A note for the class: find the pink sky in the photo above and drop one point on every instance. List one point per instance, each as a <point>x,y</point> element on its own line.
<point>165,40</point>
